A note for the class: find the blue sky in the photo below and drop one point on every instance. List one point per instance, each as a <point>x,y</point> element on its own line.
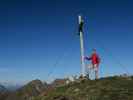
<point>37,34</point>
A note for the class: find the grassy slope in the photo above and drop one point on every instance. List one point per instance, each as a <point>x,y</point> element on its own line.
<point>27,92</point>
<point>112,88</point>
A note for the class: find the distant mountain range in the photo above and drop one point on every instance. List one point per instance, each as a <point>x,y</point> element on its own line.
<point>28,91</point>
<point>10,86</point>
<point>111,88</point>
<point>2,88</point>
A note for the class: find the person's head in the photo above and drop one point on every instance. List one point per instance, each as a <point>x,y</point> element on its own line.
<point>94,51</point>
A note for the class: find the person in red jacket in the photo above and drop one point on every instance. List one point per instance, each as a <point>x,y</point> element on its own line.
<point>95,60</point>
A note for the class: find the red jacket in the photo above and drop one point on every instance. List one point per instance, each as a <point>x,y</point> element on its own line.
<point>94,58</point>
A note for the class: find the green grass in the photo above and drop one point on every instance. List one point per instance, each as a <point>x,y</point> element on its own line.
<point>112,88</point>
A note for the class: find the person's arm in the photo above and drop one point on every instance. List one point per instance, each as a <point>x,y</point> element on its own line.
<point>88,58</point>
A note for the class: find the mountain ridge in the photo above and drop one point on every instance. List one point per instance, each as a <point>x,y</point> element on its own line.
<point>108,88</point>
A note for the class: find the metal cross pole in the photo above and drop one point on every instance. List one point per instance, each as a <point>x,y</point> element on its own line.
<point>81,45</point>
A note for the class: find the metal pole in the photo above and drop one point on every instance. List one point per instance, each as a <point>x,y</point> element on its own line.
<point>81,47</point>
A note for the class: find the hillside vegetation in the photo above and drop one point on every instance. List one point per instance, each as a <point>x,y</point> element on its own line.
<point>111,88</point>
